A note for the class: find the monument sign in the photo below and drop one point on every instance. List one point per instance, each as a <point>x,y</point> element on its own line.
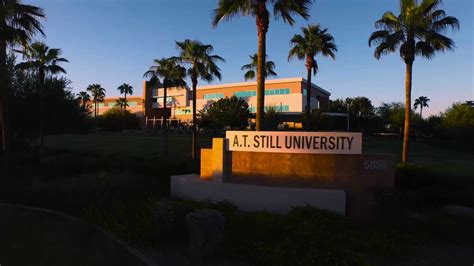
<point>295,142</point>
<point>274,171</point>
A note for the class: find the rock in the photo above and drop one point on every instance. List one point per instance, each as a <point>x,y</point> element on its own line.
<point>206,232</point>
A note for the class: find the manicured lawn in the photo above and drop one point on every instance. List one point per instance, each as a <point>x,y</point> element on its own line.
<point>129,145</point>
<point>442,158</point>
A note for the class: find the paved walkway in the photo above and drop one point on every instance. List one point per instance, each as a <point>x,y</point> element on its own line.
<point>30,236</point>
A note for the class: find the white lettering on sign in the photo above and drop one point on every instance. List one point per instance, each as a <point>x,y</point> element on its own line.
<point>295,142</point>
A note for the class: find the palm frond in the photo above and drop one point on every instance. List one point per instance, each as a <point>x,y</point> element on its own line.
<point>286,9</point>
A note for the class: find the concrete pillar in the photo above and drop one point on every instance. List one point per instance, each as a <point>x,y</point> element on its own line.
<point>218,159</point>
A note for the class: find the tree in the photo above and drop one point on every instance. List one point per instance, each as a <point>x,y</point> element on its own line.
<point>421,101</point>
<point>201,65</point>
<point>98,95</point>
<point>273,118</point>
<point>41,60</point>
<point>459,115</point>
<point>285,9</point>
<point>313,41</point>
<point>252,68</point>
<point>18,24</point>
<point>125,89</point>
<point>417,30</point>
<point>230,113</point>
<point>122,103</point>
<point>169,73</point>
<point>84,99</point>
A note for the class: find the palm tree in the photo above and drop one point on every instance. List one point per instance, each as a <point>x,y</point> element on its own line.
<point>42,60</point>
<point>18,24</point>
<point>98,95</point>
<point>252,67</point>
<point>313,41</point>
<point>122,103</point>
<point>125,89</point>
<point>421,101</point>
<point>85,99</point>
<point>416,31</point>
<point>284,9</point>
<point>201,65</point>
<point>169,73</point>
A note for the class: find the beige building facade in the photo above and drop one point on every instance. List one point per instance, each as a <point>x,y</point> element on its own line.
<point>287,96</point>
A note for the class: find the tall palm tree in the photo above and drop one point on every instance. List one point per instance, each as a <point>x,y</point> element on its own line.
<point>285,9</point>
<point>417,30</point>
<point>125,89</point>
<point>169,73</point>
<point>421,101</point>
<point>201,65</point>
<point>42,60</point>
<point>85,99</point>
<point>98,95</point>
<point>18,24</point>
<point>313,41</point>
<point>252,68</point>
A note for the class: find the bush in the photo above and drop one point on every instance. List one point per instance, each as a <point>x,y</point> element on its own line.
<point>113,120</point>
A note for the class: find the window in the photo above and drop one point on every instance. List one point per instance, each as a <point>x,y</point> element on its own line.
<point>213,96</point>
<point>278,108</point>
<point>184,111</point>
<point>101,105</point>
<point>132,103</point>
<point>277,91</point>
<point>169,99</point>
<point>111,104</point>
<point>245,94</point>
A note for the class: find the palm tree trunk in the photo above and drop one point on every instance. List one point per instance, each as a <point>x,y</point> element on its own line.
<point>165,120</point>
<point>41,111</point>
<point>124,111</point>
<point>194,129</point>
<point>421,111</point>
<point>4,119</point>
<point>406,131</point>
<point>308,93</point>
<point>262,21</point>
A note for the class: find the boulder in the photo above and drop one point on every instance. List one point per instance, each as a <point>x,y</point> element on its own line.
<point>206,232</point>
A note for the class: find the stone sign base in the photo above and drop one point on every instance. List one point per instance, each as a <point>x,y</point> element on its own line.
<point>342,183</point>
<point>257,198</point>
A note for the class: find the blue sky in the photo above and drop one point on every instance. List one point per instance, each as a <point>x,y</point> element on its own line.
<point>115,41</point>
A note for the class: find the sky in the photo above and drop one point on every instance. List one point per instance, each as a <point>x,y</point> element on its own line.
<point>111,42</point>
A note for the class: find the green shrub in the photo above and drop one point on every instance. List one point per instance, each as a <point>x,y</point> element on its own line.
<point>113,120</point>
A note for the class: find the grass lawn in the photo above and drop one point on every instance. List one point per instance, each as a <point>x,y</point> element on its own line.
<point>445,159</point>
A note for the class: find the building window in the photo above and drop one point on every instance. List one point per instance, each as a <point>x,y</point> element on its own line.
<point>101,105</point>
<point>245,94</point>
<point>184,111</point>
<point>111,104</point>
<point>209,96</point>
<point>132,103</point>
<point>169,99</point>
<point>277,92</point>
<point>278,108</point>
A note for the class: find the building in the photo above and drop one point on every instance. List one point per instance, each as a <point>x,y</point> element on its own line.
<point>135,105</point>
<point>287,96</point>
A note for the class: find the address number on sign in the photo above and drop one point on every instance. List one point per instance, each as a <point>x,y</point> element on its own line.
<point>375,164</point>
